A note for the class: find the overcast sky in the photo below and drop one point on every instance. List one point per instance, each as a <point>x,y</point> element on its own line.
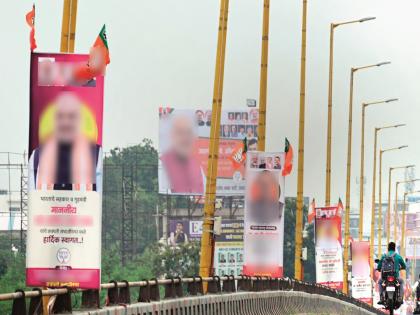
<point>163,53</point>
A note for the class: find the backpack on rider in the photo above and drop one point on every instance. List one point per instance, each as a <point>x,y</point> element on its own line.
<point>388,266</point>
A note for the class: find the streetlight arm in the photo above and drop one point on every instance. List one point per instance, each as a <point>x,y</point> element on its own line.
<point>354,21</point>
<point>389,127</point>
<point>371,66</point>
<point>394,149</point>
<point>402,167</point>
<point>380,102</point>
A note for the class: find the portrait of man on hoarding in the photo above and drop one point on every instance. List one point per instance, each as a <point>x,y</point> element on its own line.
<point>360,257</point>
<point>328,232</point>
<point>181,170</point>
<point>264,197</point>
<point>67,156</point>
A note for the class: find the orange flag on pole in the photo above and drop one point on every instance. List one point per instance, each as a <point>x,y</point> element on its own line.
<point>312,212</point>
<point>30,20</point>
<point>288,163</point>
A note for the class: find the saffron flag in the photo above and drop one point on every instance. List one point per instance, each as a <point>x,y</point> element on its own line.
<point>102,42</point>
<point>288,163</point>
<point>238,156</point>
<point>312,212</point>
<point>98,58</point>
<point>30,20</point>
<point>340,207</point>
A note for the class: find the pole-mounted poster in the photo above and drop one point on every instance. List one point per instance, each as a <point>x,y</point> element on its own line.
<point>264,215</point>
<point>328,250</point>
<point>65,174</point>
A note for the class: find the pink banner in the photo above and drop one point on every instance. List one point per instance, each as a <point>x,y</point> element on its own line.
<point>64,174</point>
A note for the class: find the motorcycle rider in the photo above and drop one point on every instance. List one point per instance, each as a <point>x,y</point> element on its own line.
<point>399,264</point>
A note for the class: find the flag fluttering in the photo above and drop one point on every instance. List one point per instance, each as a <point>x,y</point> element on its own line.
<point>238,156</point>
<point>30,20</point>
<point>340,207</point>
<point>288,163</point>
<point>98,58</point>
<point>102,43</point>
<point>312,212</point>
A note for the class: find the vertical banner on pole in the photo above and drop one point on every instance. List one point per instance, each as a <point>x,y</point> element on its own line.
<point>65,174</point>
<point>328,247</point>
<point>264,215</point>
<point>361,283</point>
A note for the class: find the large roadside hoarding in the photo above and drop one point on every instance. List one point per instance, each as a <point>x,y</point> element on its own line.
<point>264,215</point>
<point>328,250</point>
<point>65,174</point>
<point>361,283</point>
<point>184,137</point>
<point>228,246</point>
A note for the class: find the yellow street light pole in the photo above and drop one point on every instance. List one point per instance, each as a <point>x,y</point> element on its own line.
<point>396,203</point>
<point>388,213</point>
<point>68,26</point>
<point>348,178</point>
<point>402,244</point>
<point>372,224</point>
<point>330,91</point>
<point>362,161</point>
<point>263,78</point>
<point>299,199</point>
<point>207,239</point>
<point>381,152</point>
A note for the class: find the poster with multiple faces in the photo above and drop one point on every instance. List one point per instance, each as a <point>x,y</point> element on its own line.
<point>229,249</point>
<point>328,250</point>
<point>361,283</point>
<point>264,215</point>
<point>65,174</point>
<point>184,138</point>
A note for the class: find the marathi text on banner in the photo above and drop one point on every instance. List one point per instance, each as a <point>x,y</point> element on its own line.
<point>328,250</point>
<point>65,174</point>
<point>361,282</point>
<point>264,215</point>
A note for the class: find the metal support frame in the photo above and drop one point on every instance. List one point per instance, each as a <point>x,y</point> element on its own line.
<point>127,214</point>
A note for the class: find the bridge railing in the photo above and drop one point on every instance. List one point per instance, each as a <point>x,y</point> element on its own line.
<point>120,293</point>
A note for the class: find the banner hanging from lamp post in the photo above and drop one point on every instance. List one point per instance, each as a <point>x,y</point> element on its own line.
<point>264,214</point>
<point>65,174</point>
<point>328,247</point>
<point>361,283</point>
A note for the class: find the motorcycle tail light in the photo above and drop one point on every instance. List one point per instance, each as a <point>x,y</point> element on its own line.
<point>391,279</point>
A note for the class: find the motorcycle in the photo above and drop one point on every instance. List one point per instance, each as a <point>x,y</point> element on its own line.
<point>391,298</point>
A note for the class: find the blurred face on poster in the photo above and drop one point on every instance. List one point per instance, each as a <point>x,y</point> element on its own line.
<point>360,261</point>
<point>199,117</point>
<point>67,118</point>
<point>264,197</point>
<point>46,73</point>
<point>327,234</point>
<point>68,154</point>
<point>182,137</point>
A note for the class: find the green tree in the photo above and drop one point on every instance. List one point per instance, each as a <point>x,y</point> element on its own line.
<point>289,242</point>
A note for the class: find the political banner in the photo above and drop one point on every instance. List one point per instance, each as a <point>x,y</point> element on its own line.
<point>184,231</point>
<point>228,246</point>
<point>184,138</point>
<point>361,283</point>
<point>264,215</point>
<point>65,174</point>
<point>229,251</point>
<point>328,251</point>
